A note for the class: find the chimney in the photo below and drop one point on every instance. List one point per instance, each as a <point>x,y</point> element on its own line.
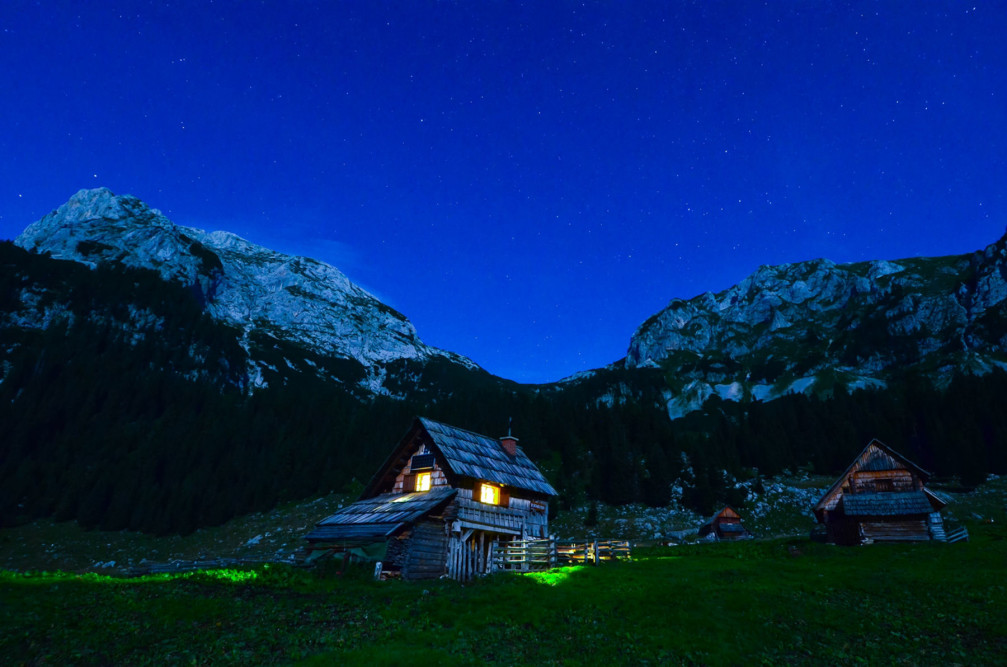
<point>509,442</point>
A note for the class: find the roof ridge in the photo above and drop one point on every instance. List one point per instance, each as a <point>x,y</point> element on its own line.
<point>457,428</point>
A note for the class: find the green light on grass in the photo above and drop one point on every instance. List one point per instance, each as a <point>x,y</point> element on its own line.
<point>554,577</point>
<point>233,576</point>
<point>229,575</point>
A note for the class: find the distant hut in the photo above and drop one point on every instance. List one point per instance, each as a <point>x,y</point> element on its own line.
<point>881,497</point>
<point>724,525</point>
<point>438,502</point>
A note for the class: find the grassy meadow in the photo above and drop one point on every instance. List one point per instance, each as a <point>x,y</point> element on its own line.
<point>780,601</point>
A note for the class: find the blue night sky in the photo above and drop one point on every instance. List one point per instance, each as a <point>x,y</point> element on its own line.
<point>526,181</point>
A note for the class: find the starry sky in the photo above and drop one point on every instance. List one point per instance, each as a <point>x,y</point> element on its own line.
<point>526,181</point>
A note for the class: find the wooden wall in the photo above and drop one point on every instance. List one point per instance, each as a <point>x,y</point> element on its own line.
<point>881,481</point>
<point>845,530</point>
<point>902,530</point>
<point>404,481</point>
<point>426,555</point>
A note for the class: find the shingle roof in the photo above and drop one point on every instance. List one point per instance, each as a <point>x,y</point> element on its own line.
<point>886,504</point>
<point>472,455</point>
<point>731,528</point>
<point>380,516</point>
<point>727,512</point>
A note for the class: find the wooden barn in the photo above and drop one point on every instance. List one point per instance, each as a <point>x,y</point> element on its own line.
<point>882,497</point>
<point>439,501</point>
<point>724,525</point>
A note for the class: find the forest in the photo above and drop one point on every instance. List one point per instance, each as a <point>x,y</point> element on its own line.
<point>133,409</point>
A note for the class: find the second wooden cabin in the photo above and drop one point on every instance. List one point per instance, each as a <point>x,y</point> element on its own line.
<point>439,501</point>
<point>882,497</point>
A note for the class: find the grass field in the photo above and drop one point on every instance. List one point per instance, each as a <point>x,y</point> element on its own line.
<point>783,601</point>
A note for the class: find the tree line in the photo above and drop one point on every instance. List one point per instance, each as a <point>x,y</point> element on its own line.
<point>132,410</point>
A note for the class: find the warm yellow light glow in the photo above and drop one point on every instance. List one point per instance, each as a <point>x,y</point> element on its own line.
<point>423,481</point>
<point>489,494</point>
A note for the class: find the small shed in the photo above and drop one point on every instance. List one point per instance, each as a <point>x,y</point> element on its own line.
<point>881,497</point>
<point>439,502</point>
<point>724,525</point>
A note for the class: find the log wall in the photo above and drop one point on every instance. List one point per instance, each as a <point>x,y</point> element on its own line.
<point>426,551</point>
<point>904,530</point>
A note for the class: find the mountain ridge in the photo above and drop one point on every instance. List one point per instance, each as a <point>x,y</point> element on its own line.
<point>127,405</point>
<point>289,297</point>
<point>806,327</point>
<point>789,327</point>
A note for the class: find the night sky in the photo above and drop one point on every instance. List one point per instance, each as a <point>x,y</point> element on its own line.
<point>526,181</point>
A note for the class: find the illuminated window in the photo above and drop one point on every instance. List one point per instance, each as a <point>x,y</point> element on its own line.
<point>489,494</point>
<point>423,481</point>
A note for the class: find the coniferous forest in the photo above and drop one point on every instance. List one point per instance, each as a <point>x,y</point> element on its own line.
<point>132,409</point>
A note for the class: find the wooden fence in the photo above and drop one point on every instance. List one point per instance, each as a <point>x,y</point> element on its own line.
<point>957,535</point>
<point>545,554</point>
<point>572,552</point>
<point>523,555</point>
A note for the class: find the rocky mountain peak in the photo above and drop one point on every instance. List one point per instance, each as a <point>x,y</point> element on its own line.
<point>88,204</point>
<point>811,326</point>
<point>251,287</point>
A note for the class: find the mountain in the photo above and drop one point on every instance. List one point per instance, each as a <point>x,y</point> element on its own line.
<point>260,292</point>
<point>814,326</point>
<point>161,378</point>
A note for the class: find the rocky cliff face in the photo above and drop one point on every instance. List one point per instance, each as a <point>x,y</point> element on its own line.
<point>806,327</point>
<point>813,326</point>
<point>257,290</point>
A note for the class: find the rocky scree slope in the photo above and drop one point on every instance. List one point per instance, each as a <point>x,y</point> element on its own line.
<point>256,290</point>
<point>815,325</point>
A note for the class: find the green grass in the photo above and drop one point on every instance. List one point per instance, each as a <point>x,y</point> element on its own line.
<point>763,602</point>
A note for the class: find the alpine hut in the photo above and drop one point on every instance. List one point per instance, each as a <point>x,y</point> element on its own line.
<point>881,497</point>
<point>724,525</point>
<point>439,501</point>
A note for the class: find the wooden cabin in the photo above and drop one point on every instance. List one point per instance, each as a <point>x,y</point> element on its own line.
<point>725,525</point>
<point>882,497</point>
<point>439,501</point>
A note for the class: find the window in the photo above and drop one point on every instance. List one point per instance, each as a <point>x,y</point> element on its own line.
<point>489,494</point>
<point>422,462</point>
<point>423,481</point>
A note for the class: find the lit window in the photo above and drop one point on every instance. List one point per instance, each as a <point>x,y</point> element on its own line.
<point>423,481</point>
<point>489,494</point>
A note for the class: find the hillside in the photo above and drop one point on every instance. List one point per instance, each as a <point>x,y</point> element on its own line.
<point>257,291</point>
<point>814,326</point>
<point>163,379</point>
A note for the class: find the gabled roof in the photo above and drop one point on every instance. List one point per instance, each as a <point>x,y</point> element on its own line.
<point>379,517</point>
<point>726,513</point>
<point>464,454</point>
<point>472,455</point>
<point>896,503</point>
<point>876,456</point>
